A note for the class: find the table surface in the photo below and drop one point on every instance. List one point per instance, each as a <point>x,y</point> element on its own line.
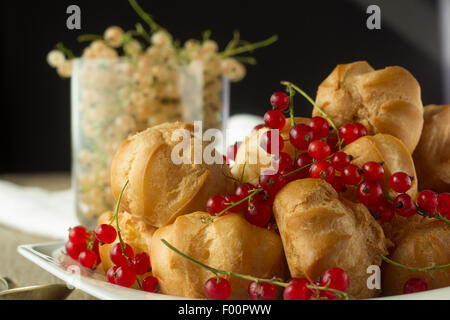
<point>13,265</point>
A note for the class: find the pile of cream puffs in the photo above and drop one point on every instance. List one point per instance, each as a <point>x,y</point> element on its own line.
<point>328,200</point>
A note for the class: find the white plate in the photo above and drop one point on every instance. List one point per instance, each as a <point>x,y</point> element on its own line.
<point>50,256</point>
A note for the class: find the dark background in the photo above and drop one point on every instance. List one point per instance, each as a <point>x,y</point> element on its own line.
<point>314,36</point>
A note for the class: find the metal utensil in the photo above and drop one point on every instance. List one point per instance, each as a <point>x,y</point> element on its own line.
<point>39,292</point>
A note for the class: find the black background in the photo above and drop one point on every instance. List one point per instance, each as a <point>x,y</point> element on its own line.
<point>314,37</point>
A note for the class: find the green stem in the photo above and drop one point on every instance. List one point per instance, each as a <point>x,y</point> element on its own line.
<point>145,16</point>
<point>249,47</point>
<point>247,60</point>
<point>141,31</point>
<point>315,105</point>
<point>218,271</point>
<point>116,218</point>
<point>291,116</point>
<point>431,267</point>
<point>64,50</point>
<point>343,294</point>
<point>304,167</point>
<point>255,191</point>
<point>89,37</point>
<point>423,213</point>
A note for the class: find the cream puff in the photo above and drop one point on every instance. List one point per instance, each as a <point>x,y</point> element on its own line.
<point>384,101</point>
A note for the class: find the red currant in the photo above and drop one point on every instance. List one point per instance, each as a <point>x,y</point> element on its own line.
<point>117,256</point>
<point>443,206</point>
<point>78,235</point>
<point>257,127</point>
<point>88,258</point>
<point>232,150</point>
<point>352,175</point>
<point>111,274</point>
<point>243,190</point>
<point>272,142</point>
<point>272,182</point>
<point>415,285</point>
<point>258,212</point>
<point>301,136</point>
<point>340,160</point>
<point>74,249</point>
<point>303,161</point>
<point>333,142</point>
<point>362,131</point>
<point>370,193</point>
<point>373,171</point>
<point>297,290</point>
<point>383,212</point>
<point>217,289</point>
<point>319,150</point>
<point>404,205</point>
<point>125,276</point>
<point>335,278</point>
<point>140,263</point>
<point>349,132</point>
<point>322,170</point>
<point>293,176</point>
<point>320,127</point>
<point>216,204</point>
<point>279,100</point>
<point>105,233</point>
<point>281,161</point>
<point>400,182</point>
<point>274,119</point>
<point>338,184</point>
<point>262,291</point>
<point>428,201</point>
<point>95,247</point>
<point>231,199</point>
<point>150,284</point>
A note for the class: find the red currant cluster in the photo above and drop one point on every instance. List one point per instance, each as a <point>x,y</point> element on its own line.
<point>333,283</point>
<point>83,246</point>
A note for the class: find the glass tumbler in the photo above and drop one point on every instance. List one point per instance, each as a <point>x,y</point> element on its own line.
<point>113,98</point>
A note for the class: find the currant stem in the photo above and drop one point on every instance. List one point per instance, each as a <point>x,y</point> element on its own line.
<point>64,50</point>
<point>423,213</point>
<point>249,47</point>
<point>116,218</point>
<point>304,167</point>
<point>343,294</point>
<point>255,191</point>
<point>314,104</point>
<point>291,115</point>
<point>145,16</point>
<point>431,267</point>
<point>89,37</point>
<point>218,271</point>
<point>275,281</point>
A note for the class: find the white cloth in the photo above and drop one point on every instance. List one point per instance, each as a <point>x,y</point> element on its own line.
<point>37,211</point>
<point>51,213</point>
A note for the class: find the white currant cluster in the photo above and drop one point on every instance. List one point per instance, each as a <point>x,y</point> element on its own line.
<point>124,87</point>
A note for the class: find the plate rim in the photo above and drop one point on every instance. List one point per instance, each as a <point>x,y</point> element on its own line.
<point>89,285</point>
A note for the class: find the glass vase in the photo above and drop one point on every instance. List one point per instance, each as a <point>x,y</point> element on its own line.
<point>113,98</point>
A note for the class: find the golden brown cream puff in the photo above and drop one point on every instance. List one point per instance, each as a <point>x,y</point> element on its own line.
<point>384,101</point>
<point>159,189</point>
<point>422,245</point>
<point>320,230</point>
<point>229,243</point>
<point>432,155</point>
